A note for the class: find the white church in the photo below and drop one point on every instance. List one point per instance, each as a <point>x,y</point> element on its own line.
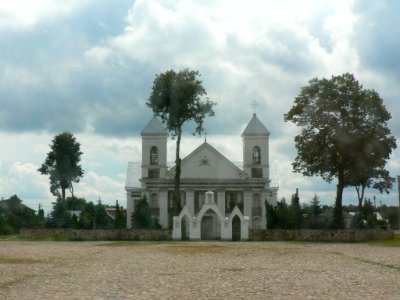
<point>235,198</point>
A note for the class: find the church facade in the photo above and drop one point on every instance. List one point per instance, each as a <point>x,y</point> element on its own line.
<point>205,169</point>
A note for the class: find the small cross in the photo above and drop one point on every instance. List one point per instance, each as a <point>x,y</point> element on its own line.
<point>254,104</point>
<point>205,136</point>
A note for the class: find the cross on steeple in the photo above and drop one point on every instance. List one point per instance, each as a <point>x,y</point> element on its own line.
<point>254,104</point>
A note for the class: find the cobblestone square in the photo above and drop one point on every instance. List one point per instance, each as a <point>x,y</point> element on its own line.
<point>197,270</point>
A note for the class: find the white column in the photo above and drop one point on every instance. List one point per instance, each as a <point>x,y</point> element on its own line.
<point>163,202</point>
<point>263,197</point>
<point>247,203</point>
<point>221,201</point>
<point>190,200</point>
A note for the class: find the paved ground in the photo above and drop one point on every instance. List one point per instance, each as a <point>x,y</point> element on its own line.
<point>200,270</point>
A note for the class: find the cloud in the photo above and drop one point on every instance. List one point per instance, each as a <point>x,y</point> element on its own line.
<point>88,66</point>
<point>93,68</point>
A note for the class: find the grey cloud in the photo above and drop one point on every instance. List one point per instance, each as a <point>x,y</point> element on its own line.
<point>377,35</point>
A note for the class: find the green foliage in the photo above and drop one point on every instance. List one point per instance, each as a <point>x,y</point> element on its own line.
<point>102,220</point>
<point>391,213</point>
<point>62,164</point>
<point>179,98</point>
<point>14,215</point>
<point>141,216</point>
<point>313,212</point>
<point>282,212</point>
<point>88,216</point>
<point>344,135</point>
<point>91,216</point>
<point>366,218</point>
<point>272,218</point>
<point>74,203</point>
<point>295,214</point>
<point>59,216</point>
<point>120,218</point>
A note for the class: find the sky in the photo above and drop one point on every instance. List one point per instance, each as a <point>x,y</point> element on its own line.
<point>87,66</point>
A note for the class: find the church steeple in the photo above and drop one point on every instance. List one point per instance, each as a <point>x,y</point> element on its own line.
<point>154,149</point>
<point>255,128</point>
<point>256,149</point>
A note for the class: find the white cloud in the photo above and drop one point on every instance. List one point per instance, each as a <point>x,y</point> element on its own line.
<point>93,186</point>
<point>26,13</point>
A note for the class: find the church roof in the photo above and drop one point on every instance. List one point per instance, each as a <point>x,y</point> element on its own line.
<point>216,164</point>
<point>255,127</point>
<point>154,127</point>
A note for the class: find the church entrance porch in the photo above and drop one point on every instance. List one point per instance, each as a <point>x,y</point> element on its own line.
<point>210,223</point>
<point>210,227</point>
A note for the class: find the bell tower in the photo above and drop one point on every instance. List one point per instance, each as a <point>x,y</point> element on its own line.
<point>256,149</point>
<point>154,149</point>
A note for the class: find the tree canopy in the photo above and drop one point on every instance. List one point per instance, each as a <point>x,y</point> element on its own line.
<point>62,164</point>
<point>344,135</point>
<point>179,97</point>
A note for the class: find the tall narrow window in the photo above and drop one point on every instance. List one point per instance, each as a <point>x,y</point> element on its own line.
<point>153,155</point>
<point>256,155</point>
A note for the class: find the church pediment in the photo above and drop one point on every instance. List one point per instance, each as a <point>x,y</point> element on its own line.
<point>206,162</point>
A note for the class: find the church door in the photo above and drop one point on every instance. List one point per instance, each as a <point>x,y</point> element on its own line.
<point>184,229</point>
<point>236,228</point>
<point>206,228</point>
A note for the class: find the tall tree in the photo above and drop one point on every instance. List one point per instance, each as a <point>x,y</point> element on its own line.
<point>295,216</point>
<point>62,164</point>
<point>179,98</point>
<point>343,130</point>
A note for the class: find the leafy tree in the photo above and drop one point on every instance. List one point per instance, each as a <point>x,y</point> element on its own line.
<point>178,98</point>
<point>120,218</point>
<point>295,216</point>
<point>282,212</point>
<point>74,203</point>
<point>141,216</point>
<point>59,216</point>
<point>88,216</point>
<point>366,217</point>
<point>390,213</point>
<point>62,164</point>
<point>314,211</point>
<point>101,215</point>
<point>272,218</point>
<point>344,129</point>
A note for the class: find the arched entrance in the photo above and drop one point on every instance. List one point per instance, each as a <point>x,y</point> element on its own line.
<point>236,228</point>
<point>210,227</point>
<point>184,229</point>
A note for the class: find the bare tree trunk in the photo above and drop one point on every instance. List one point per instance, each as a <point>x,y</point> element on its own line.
<point>338,212</point>
<point>63,194</point>
<point>177,179</point>
<point>360,195</point>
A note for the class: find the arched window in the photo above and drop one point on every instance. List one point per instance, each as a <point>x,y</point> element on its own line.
<point>256,155</point>
<point>153,155</point>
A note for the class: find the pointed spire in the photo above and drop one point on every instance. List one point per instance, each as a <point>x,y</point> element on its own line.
<point>154,127</point>
<point>255,127</point>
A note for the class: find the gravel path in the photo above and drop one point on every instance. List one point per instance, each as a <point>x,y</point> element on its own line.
<point>199,270</point>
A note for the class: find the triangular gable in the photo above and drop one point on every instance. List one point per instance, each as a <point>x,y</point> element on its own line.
<point>236,212</point>
<point>205,162</point>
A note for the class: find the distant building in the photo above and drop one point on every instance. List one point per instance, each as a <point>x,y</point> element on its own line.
<point>204,169</point>
<point>14,202</point>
